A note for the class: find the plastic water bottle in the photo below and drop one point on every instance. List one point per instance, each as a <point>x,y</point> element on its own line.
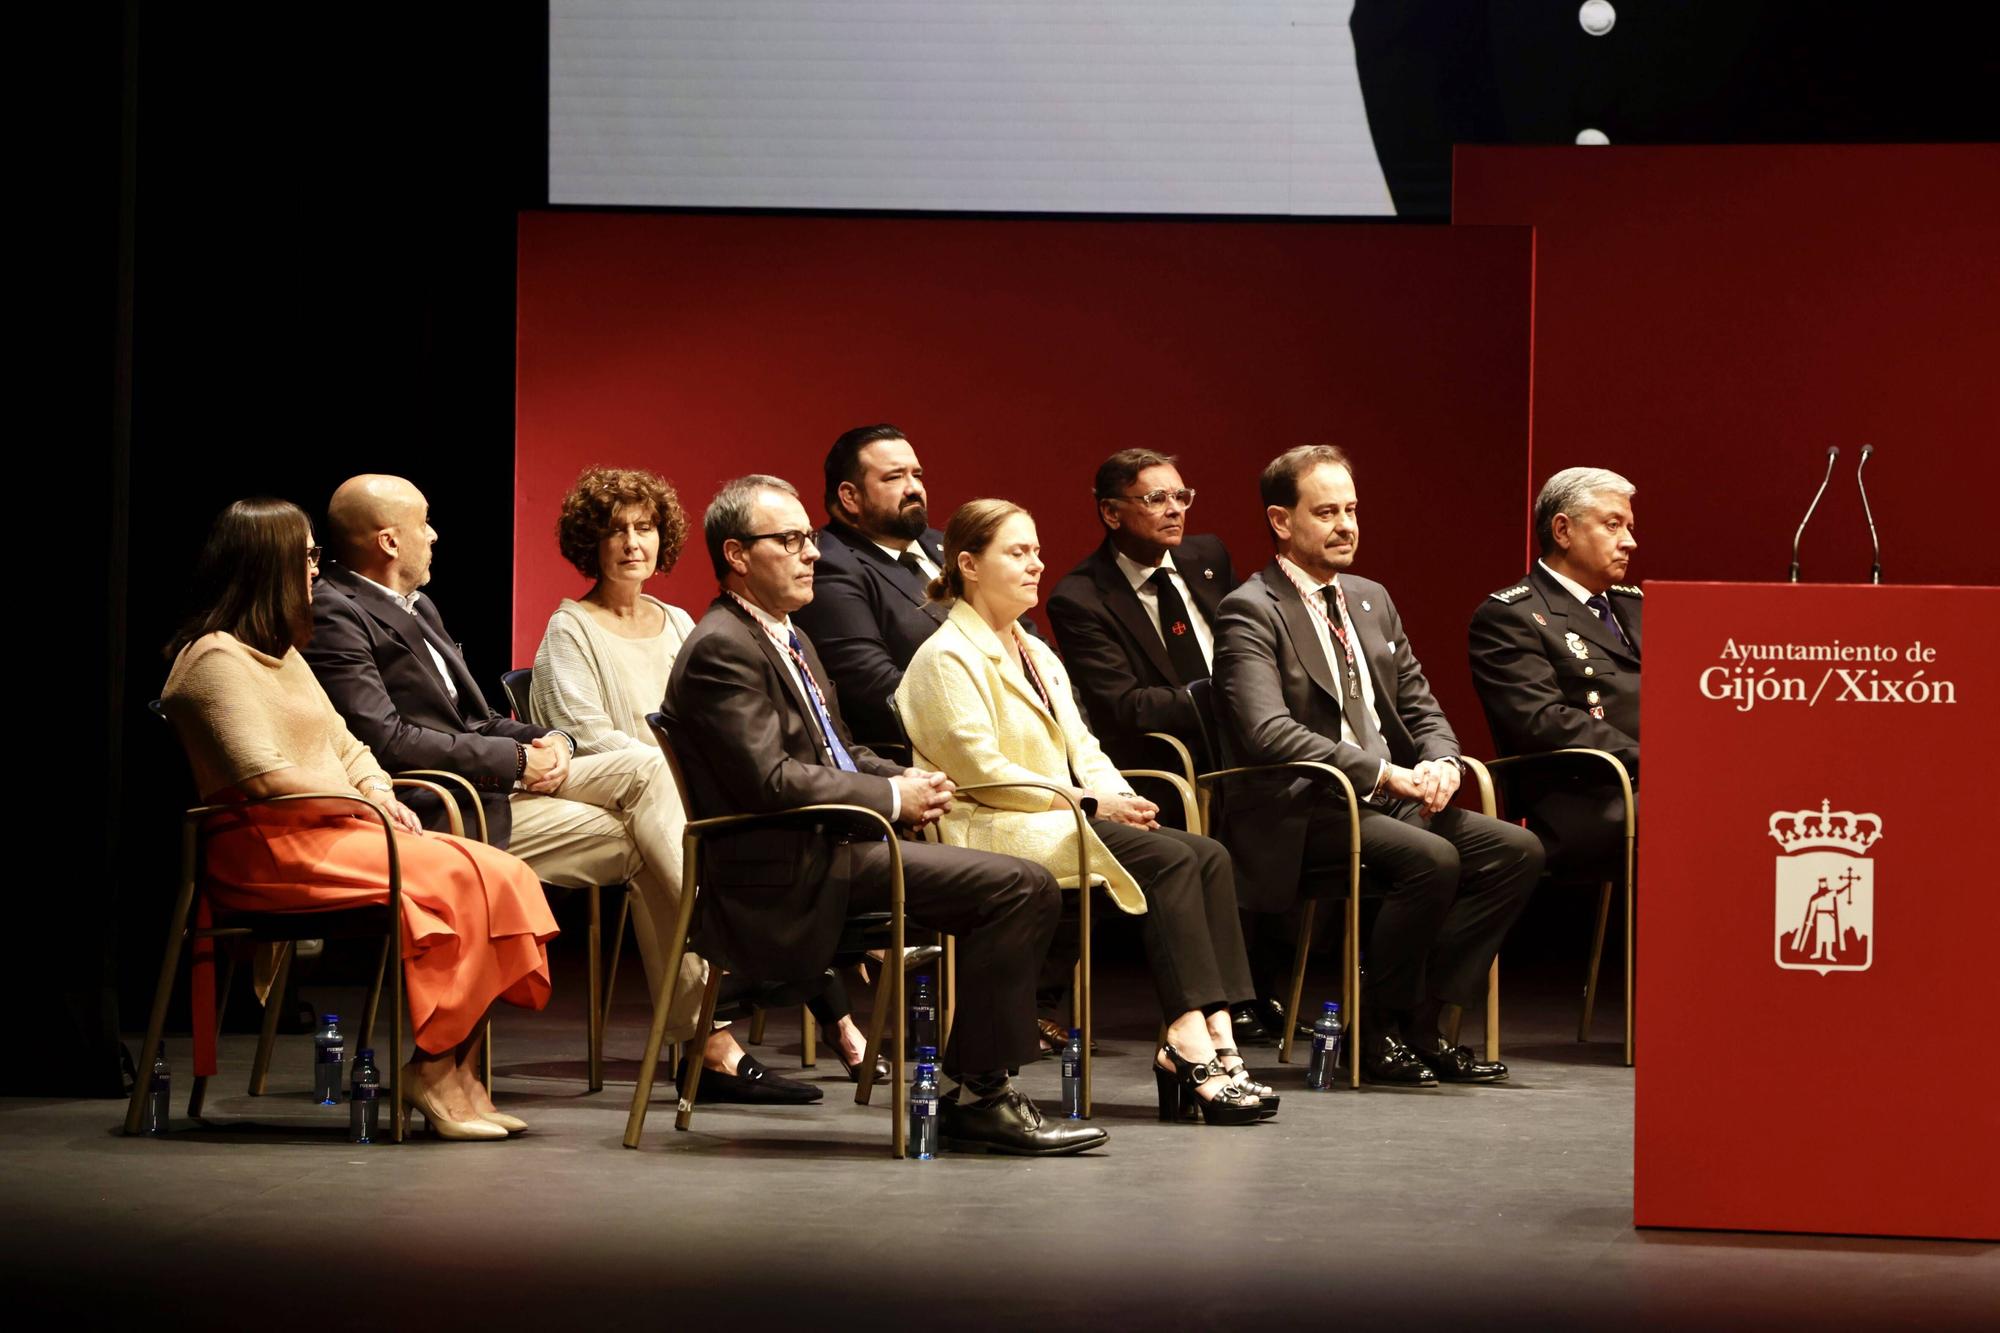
<point>329,1054</point>
<point>923,1015</point>
<point>364,1099</point>
<point>159,1093</point>
<point>924,1106</point>
<point>1320,1075</point>
<point>1072,1075</point>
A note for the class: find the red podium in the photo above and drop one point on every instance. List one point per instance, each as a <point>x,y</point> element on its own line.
<point>1819,910</point>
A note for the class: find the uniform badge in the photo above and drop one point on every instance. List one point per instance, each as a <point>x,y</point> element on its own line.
<point>1539,620</point>
<point>1597,713</point>
<point>1577,646</point>
<point>1365,606</point>
<point>1826,894</point>
<point>1593,698</point>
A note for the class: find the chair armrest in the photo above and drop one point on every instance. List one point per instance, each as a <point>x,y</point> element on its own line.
<point>1483,777</point>
<point>1180,785</point>
<point>1573,757</point>
<point>457,782</point>
<point>855,818</point>
<point>1063,796</point>
<point>455,825</point>
<point>1311,768</point>
<point>1183,760</point>
<point>193,819</point>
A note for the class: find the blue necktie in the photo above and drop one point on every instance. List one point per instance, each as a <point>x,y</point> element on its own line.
<point>1601,604</point>
<point>841,759</point>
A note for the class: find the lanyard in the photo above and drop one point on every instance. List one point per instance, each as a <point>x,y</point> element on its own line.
<point>1338,628</point>
<point>784,644</point>
<point>1034,676</point>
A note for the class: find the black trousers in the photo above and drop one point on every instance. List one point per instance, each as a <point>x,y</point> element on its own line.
<point>1003,911</point>
<point>1194,939</point>
<point>1454,883</point>
<point>1582,831</point>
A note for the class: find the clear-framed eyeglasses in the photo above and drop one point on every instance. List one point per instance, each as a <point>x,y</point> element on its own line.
<point>1156,500</point>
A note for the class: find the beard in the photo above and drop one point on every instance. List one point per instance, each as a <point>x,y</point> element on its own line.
<point>907,524</point>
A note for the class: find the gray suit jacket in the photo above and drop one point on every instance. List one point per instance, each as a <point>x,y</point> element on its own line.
<point>1278,700</point>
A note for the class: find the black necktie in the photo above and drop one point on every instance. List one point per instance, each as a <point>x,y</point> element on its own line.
<point>1352,706</point>
<point>1177,629</point>
<point>908,560</point>
<point>1601,604</point>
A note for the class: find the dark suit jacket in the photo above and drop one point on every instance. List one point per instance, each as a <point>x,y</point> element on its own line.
<point>1538,691</point>
<point>370,657</point>
<point>1278,700</point>
<point>1118,660</point>
<point>748,743</point>
<point>867,617</point>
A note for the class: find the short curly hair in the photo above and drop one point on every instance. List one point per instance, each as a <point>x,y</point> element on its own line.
<point>598,494</point>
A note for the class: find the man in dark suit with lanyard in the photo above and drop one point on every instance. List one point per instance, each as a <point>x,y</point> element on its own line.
<point>1312,664</point>
<point>877,553</point>
<point>763,730</point>
<point>1556,660</point>
<point>381,652</point>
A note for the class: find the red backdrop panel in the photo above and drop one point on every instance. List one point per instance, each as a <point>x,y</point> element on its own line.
<point>1708,320</point>
<point>1812,1066</point>
<point>1017,354</point>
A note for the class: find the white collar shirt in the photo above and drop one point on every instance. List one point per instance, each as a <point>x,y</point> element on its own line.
<point>1141,578</point>
<point>924,562</point>
<point>409,603</point>
<point>1575,589</point>
<point>1335,658</point>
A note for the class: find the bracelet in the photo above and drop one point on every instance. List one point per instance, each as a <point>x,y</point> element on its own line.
<point>520,761</point>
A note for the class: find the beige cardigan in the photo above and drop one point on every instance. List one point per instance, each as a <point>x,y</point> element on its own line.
<point>972,716</point>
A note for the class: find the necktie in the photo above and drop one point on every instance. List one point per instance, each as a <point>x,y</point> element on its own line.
<point>908,560</point>
<point>1177,630</point>
<point>1601,604</point>
<point>841,759</point>
<point>1352,706</point>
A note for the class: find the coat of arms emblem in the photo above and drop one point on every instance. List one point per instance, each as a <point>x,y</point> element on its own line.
<point>1826,889</point>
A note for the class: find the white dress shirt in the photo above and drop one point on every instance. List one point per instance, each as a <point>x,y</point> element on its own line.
<point>410,604</point>
<point>924,562</point>
<point>1576,590</point>
<point>1140,576</point>
<point>1336,659</point>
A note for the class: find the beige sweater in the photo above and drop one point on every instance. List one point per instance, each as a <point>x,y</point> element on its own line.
<point>241,713</point>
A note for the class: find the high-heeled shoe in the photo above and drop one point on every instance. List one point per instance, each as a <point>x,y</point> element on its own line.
<point>442,1125</point>
<point>1239,1074</point>
<point>1180,1097</point>
<point>513,1124</point>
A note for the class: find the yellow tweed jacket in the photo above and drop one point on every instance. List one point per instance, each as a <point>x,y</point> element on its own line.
<point>973,717</point>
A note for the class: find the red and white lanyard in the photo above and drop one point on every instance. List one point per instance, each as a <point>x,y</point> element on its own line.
<point>1337,628</point>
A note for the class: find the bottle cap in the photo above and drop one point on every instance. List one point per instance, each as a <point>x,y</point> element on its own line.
<point>926,1055</point>
<point>329,1017</point>
<point>1076,1034</point>
<point>367,1054</point>
<point>1331,1007</point>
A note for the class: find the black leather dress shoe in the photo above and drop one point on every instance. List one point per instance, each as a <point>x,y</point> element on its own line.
<point>1008,1122</point>
<point>1385,1059</point>
<point>884,1071</point>
<point>750,1085</point>
<point>1456,1064</point>
<point>1246,1020</point>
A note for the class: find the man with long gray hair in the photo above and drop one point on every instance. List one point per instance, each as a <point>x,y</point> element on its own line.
<point>1555,657</point>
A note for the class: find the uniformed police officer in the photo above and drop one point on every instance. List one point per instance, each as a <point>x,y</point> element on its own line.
<point>1556,660</point>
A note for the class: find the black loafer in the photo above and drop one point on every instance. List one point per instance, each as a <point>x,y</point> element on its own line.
<point>883,1070</point>
<point>1385,1059</point>
<point>750,1085</point>
<point>1009,1123</point>
<point>1248,1025</point>
<point>1456,1064</point>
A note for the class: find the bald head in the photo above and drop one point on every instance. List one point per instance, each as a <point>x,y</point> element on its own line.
<point>380,528</point>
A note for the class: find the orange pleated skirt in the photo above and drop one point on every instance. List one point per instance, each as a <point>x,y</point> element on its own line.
<point>476,924</point>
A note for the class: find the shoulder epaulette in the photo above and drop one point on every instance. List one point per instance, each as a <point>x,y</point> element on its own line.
<point>1628,590</point>
<point>1511,595</point>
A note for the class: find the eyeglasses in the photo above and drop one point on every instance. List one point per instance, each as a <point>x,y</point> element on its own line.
<point>313,553</point>
<point>793,541</point>
<point>1157,500</point>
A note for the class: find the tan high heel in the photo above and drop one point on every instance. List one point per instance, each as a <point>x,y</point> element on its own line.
<point>513,1124</point>
<point>442,1125</point>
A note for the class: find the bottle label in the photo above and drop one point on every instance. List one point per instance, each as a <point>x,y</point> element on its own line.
<point>366,1092</point>
<point>333,1053</point>
<point>923,1110</point>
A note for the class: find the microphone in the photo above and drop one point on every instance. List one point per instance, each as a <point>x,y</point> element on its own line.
<point>1875,576</point>
<point>1832,452</point>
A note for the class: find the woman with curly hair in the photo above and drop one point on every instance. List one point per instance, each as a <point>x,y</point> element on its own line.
<point>605,658</point>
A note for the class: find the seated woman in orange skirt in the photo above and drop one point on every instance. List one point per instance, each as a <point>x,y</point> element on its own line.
<point>255,723</point>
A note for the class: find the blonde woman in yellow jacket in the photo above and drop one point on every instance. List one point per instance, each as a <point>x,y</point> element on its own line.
<point>984,702</point>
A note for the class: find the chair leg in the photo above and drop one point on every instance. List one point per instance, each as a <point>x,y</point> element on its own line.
<point>1088,1064</point>
<point>878,1026</point>
<point>374,1008</point>
<point>486,1054</point>
<point>757,1026</point>
<point>199,1092</point>
<point>899,1094</point>
<point>1493,1010</point>
<point>399,1106</point>
<point>1350,988</point>
<point>163,988</point>
<point>1596,956</point>
<point>809,1036</point>
<point>1628,955</point>
<point>267,1036</point>
<point>1298,985</point>
<point>611,973</point>
<point>649,1060</point>
<point>950,969</point>
<point>703,1028</point>
<point>593,1021</point>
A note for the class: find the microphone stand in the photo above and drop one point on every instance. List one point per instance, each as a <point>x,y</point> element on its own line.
<point>1875,575</point>
<point>1832,452</point>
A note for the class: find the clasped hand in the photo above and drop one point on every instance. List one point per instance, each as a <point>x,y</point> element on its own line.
<point>1126,808</point>
<point>924,796</point>
<point>1433,782</point>
<point>548,763</point>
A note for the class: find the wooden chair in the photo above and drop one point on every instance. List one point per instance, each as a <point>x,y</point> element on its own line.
<point>517,686</point>
<point>855,820</point>
<point>1514,767</point>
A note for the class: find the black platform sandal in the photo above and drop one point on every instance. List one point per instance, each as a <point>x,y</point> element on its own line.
<point>1227,1104</point>
<point>1266,1095</point>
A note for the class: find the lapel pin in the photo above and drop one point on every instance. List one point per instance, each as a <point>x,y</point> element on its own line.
<point>1577,645</point>
<point>1208,573</point>
<point>1539,620</point>
<point>1365,606</point>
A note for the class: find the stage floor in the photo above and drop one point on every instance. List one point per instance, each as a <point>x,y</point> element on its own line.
<point>1508,1206</point>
